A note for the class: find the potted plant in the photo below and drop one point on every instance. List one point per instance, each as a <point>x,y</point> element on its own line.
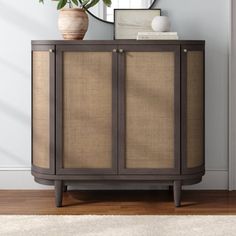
<point>73,21</point>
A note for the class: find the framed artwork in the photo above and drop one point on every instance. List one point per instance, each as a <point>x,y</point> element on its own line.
<point>128,22</point>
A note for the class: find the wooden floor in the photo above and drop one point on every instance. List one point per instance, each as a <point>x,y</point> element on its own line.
<point>118,203</point>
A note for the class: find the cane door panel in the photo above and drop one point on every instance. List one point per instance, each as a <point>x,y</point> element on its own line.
<point>149,110</point>
<point>43,155</point>
<point>193,140</point>
<point>88,124</point>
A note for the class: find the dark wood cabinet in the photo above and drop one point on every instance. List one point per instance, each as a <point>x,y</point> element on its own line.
<point>119,114</point>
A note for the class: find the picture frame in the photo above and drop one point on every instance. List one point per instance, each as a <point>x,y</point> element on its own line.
<point>128,22</point>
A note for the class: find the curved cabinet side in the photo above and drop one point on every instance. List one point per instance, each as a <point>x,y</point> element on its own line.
<point>43,109</point>
<point>193,109</point>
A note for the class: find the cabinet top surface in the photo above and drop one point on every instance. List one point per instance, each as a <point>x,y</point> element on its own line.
<point>107,42</point>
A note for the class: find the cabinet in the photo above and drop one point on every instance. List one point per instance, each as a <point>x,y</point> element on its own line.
<point>119,114</point>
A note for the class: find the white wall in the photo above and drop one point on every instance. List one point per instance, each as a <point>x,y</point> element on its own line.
<point>19,23</point>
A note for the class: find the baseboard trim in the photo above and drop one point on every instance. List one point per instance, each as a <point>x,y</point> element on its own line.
<point>21,178</point>
<point>15,168</point>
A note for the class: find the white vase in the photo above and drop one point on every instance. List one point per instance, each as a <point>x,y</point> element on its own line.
<point>161,24</point>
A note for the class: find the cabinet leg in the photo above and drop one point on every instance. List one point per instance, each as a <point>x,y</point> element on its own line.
<point>177,192</point>
<point>65,188</point>
<point>58,192</point>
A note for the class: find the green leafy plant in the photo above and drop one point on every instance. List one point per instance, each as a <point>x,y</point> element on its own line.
<point>84,3</point>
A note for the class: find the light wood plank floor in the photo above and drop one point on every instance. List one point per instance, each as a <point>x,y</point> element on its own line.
<point>117,203</point>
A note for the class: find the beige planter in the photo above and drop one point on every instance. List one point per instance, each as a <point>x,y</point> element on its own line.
<point>73,23</point>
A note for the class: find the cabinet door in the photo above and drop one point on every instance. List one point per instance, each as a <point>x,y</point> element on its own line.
<point>192,108</point>
<point>86,121</point>
<point>149,109</point>
<point>43,81</point>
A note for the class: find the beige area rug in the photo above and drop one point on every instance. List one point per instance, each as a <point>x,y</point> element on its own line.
<point>118,225</point>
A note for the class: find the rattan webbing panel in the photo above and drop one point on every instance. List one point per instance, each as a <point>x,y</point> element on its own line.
<point>87,110</point>
<point>150,109</point>
<point>41,137</point>
<point>194,109</point>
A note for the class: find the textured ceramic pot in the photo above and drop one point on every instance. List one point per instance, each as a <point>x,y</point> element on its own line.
<point>161,24</point>
<point>73,23</point>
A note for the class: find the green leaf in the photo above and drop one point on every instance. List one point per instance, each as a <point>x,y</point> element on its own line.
<point>61,4</point>
<point>84,2</point>
<point>75,2</point>
<point>91,4</point>
<point>107,2</point>
<point>41,1</point>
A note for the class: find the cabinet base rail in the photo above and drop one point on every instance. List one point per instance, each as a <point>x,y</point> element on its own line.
<point>61,186</point>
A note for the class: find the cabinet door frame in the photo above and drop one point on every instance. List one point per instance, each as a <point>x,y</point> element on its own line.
<point>50,49</point>
<point>122,108</point>
<point>184,53</point>
<point>59,109</point>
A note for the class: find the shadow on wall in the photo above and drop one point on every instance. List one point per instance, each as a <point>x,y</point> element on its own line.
<point>21,20</point>
<point>15,113</point>
<point>17,159</point>
<point>13,67</point>
<point>6,149</point>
